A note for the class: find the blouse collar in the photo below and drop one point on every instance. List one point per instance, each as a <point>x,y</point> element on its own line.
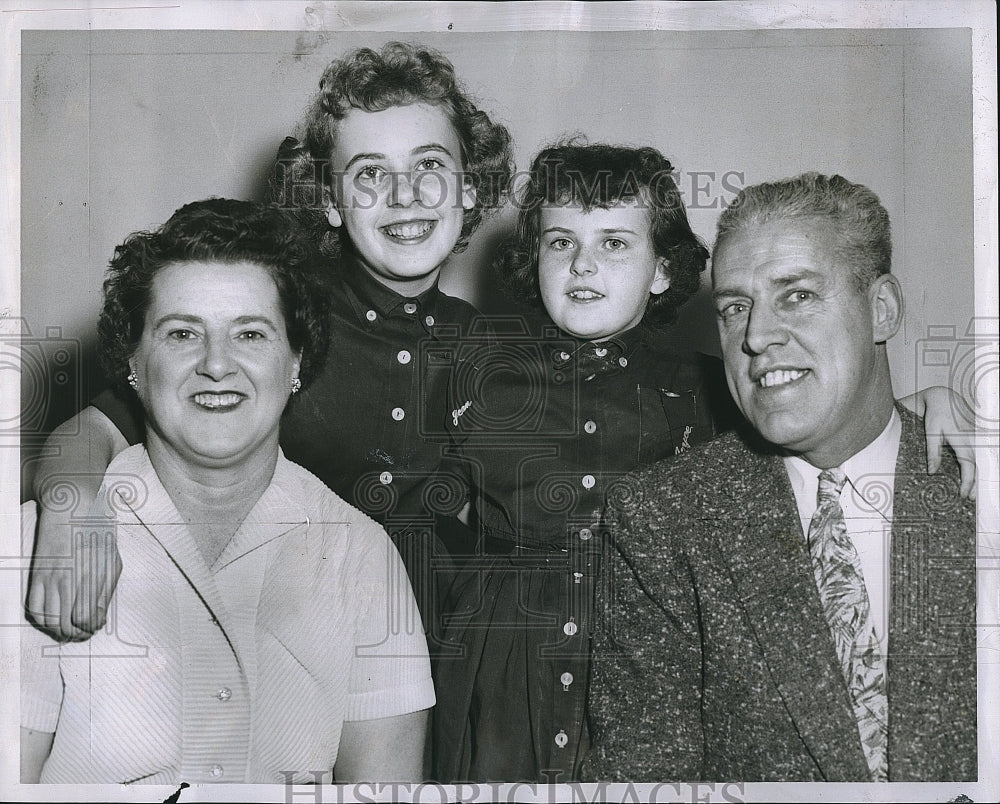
<point>591,358</point>
<point>368,295</point>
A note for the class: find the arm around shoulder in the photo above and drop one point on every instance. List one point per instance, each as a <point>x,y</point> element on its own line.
<point>948,419</point>
<point>78,453</point>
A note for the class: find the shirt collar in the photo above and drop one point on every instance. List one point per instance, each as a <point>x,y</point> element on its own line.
<point>866,470</point>
<point>599,357</point>
<point>878,459</point>
<point>368,294</point>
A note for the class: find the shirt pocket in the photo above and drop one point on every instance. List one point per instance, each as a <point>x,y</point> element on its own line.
<point>668,423</point>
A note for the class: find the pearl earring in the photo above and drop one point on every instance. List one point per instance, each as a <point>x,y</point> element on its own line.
<point>296,385</point>
<point>133,380</point>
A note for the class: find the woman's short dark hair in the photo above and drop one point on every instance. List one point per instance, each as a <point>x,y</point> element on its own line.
<point>601,176</point>
<point>225,231</point>
<point>397,75</point>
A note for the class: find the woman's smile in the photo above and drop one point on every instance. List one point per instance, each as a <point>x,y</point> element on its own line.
<point>219,402</point>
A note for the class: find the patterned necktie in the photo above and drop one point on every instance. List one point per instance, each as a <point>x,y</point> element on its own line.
<point>845,602</point>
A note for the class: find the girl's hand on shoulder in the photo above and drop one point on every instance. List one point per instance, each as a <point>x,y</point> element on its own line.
<point>948,419</point>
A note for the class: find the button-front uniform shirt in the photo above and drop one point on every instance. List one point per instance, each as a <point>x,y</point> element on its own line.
<point>371,426</point>
<point>236,672</point>
<point>867,504</point>
<point>546,427</point>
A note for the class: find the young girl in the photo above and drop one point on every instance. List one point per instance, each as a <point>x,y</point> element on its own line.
<point>405,167</point>
<point>545,425</point>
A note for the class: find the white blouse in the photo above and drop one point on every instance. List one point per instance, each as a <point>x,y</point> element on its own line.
<point>240,672</point>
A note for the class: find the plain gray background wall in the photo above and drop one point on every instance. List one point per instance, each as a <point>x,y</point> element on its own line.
<point>119,128</point>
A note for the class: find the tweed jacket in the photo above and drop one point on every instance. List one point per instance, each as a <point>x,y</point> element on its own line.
<point>714,660</point>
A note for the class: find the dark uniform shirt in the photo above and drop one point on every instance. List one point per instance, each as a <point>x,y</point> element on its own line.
<point>371,426</point>
<point>547,426</point>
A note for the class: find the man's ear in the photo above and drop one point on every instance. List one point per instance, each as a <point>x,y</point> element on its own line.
<point>886,298</point>
<point>468,192</point>
<point>661,279</point>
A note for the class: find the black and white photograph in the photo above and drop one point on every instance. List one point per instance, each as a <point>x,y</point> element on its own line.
<point>516,401</point>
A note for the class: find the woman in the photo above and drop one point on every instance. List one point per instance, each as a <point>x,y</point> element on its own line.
<point>257,618</point>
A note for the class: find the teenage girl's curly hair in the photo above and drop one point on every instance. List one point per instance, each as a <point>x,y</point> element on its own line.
<point>397,75</point>
<point>602,176</point>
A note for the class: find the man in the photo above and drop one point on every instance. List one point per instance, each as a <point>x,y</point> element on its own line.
<point>795,602</point>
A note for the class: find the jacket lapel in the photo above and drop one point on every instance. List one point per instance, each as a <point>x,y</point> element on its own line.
<point>771,568</point>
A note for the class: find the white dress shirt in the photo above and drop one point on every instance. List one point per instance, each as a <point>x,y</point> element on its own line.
<point>867,504</point>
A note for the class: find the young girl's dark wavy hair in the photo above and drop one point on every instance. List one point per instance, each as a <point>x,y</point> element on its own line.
<point>397,75</point>
<point>601,176</point>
